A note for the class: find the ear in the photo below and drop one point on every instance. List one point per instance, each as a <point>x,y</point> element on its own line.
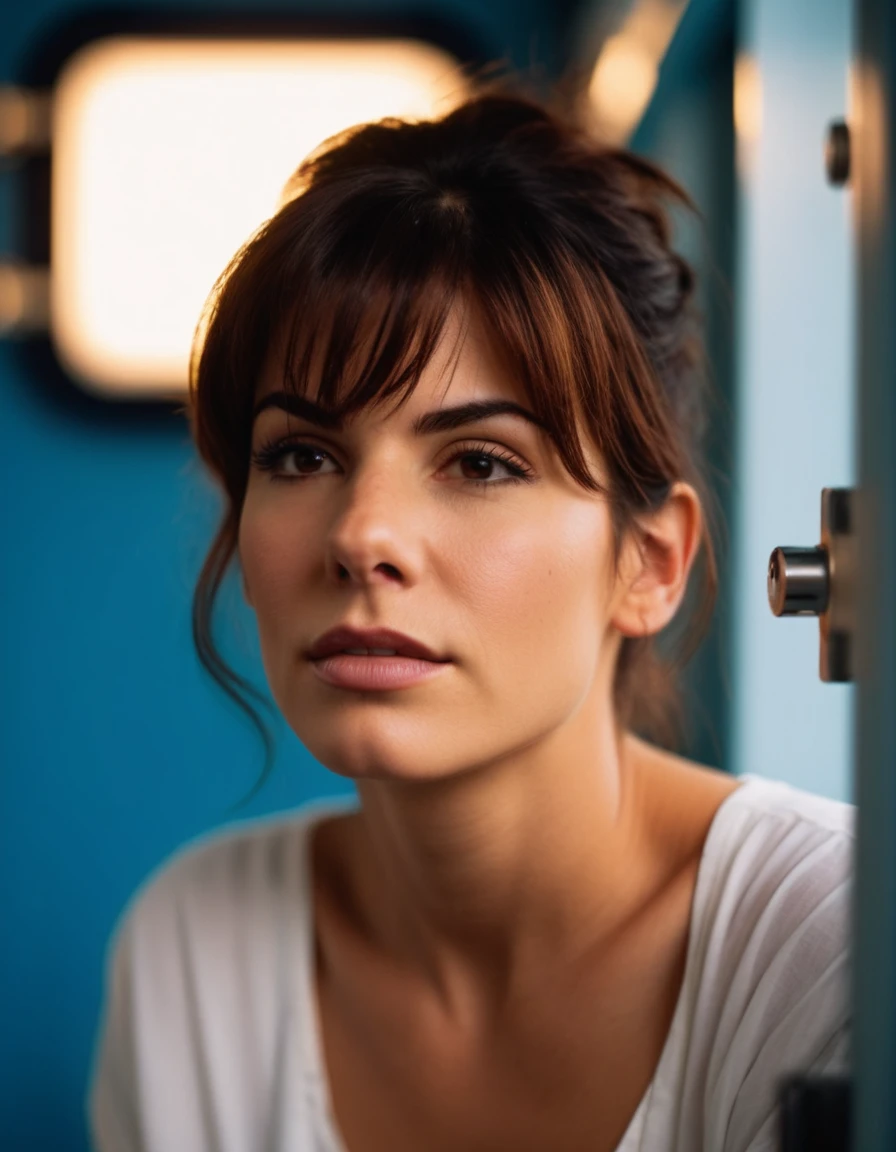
<point>656,562</point>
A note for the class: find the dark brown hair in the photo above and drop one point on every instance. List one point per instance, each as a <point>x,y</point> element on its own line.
<point>563,248</point>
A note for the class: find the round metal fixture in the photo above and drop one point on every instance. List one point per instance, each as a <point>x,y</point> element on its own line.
<point>820,582</point>
<point>798,581</point>
<point>836,152</point>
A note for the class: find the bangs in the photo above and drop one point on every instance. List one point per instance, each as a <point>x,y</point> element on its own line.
<point>364,334</point>
<point>368,323</point>
<point>350,292</point>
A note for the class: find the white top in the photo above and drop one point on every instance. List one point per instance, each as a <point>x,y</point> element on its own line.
<point>210,1038</point>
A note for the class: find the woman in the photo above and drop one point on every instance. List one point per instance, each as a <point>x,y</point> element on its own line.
<point>451,394</point>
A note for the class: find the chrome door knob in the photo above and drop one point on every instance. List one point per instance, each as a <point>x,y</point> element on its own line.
<point>798,581</point>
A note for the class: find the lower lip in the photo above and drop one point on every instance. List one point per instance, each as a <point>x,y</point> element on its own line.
<point>375,673</point>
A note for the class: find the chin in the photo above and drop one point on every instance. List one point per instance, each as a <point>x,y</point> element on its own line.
<point>369,751</point>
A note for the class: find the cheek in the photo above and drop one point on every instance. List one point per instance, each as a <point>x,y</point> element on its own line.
<point>540,587</point>
<point>272,560</point>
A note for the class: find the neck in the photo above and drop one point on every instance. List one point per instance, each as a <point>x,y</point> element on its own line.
<point>481,880</point>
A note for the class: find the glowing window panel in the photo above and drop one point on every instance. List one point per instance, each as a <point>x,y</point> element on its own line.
<point>168,154</point>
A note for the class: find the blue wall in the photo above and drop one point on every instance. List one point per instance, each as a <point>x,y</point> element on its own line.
<point>115,746</point>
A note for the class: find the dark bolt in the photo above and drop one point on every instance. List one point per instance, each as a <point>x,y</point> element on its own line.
<point>836,152</point>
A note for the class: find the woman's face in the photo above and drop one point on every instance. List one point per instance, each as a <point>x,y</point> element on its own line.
<point>379,525</point>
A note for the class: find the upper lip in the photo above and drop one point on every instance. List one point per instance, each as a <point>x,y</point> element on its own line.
<point>342,637</point>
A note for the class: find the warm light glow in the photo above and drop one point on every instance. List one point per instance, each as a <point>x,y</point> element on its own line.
<point>627,68</point>
<point>747,112</point>
<point>623,81</point>
<point>653,22</point>
<point>871,166</point>
<point>168,154</point>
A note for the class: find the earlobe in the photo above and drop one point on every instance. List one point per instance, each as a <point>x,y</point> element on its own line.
<point>660,561</point>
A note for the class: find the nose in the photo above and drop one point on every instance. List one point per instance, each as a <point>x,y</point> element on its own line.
<point>374,537</point>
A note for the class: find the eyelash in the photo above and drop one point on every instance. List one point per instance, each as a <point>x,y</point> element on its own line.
<point>269,455</point>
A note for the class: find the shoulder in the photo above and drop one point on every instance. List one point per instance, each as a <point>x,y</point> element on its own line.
<point>219,915</point>
<point>775,881</point>
<point>206,961</point>
<point>763,799</point>
<point>774,856</point>
<point>230,881</point>
<point>771,951</point>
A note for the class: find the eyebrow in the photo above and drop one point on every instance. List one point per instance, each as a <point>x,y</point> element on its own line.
<point>441,420</point>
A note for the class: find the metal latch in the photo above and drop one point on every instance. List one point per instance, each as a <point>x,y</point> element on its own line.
<point>820,582</point>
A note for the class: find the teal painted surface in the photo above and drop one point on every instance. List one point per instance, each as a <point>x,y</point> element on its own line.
<point>795,416</point>
<point>115,747</point>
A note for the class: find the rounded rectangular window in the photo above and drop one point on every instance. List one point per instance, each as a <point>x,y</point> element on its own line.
<point>169,153</point>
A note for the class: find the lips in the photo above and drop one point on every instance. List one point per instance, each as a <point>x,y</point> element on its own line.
<point>343,638</point>
<point>376,673</point>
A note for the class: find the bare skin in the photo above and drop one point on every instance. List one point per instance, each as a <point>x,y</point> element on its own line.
<point>502,927</point>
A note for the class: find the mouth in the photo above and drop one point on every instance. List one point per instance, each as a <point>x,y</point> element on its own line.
<point>368,652</point>
<point>370,643</point>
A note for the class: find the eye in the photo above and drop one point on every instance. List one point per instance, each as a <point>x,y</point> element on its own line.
<point>290,460</point>
<point>484,458</point>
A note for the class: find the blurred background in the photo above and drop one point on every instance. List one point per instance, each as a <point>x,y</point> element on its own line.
<point>138,147</point>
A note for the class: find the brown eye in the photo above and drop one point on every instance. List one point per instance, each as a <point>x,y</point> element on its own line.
<point>290,461</point>
<point>305,459</point>
<point>478,463</point>
<point>481,466</point>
